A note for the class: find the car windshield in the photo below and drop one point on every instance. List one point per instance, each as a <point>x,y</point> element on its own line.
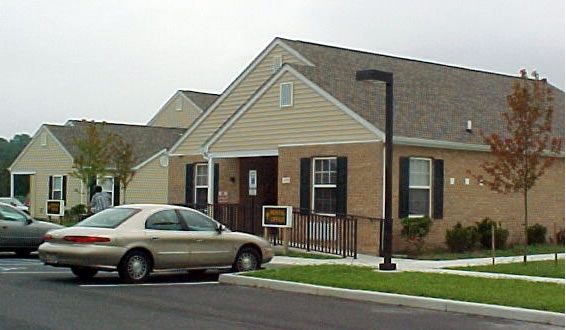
<point>109,218</point>
<point>11,201</point>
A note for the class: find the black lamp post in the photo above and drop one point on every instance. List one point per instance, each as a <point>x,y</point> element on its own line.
<point>387,78</point>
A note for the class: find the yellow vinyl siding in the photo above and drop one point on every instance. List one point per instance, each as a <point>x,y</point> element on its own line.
<point>233,101</point>
<point>45,161</point>
<point>149,185</point>
<point>311,119</point>
<point>171,117</point>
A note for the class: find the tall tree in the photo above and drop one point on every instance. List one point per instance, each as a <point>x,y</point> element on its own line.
<point>124,161</point>
<point>9,150</point>
<point>528,148</point>
<point>94,154</point>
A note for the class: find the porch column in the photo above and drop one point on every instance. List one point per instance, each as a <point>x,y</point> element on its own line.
<point>210,197</point>
<point>11,184</point>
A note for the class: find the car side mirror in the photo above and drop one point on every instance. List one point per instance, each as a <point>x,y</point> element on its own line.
<point>29,221</point>
<point>220,228</point>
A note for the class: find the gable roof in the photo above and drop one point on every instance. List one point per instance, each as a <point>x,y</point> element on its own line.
<point>145,140</point>
<point>200,100</point>
<point>431,101</point>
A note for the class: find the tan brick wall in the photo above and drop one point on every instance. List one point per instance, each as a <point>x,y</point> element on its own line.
<point>229,168</point>
<point>471,203</point>
<point>465,203</point>
<point>364,182</point>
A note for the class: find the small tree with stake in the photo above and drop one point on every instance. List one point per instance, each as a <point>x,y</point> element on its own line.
<point>522,155</point>
<point>123,159</point>
<point>93,156</point>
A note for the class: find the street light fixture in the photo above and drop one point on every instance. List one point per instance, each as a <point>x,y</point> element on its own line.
<point>387,78</point>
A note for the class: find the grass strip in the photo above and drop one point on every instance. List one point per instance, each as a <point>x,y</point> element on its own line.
<point>504,292</point>
<point>545,268</point>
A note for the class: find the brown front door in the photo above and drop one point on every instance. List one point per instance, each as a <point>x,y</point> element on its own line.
<point>265,191</point>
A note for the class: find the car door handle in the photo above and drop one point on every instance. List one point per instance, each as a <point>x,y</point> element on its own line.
<point>155,238</point>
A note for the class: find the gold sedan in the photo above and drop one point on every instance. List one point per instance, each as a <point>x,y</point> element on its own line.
<point>140,238</point>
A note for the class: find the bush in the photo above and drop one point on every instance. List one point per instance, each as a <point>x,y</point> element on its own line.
<point>414,230</point>
<point>560,237</point>
<point>77,210</point>
<point>460,239</point>
<point>484,231</point>
<point>536,234</point>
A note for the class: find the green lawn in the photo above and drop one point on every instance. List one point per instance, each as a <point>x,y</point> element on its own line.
<point>546,268</point>
<point>516,293</point>
<point>516,250</point>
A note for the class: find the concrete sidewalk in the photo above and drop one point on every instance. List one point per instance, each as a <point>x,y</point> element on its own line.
<point>513,313</point>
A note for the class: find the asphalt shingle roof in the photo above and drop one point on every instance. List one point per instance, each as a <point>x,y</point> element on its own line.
<point>203,100</point>
<point>431,101</point>
<point>146,140</point>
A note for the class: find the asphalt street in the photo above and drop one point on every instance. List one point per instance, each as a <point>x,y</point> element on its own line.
<point>34,296</point>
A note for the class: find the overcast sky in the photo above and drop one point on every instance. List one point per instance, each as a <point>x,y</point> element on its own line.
<point>120,61</point>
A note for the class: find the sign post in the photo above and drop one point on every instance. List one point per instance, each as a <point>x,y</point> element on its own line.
<point>278,217</point>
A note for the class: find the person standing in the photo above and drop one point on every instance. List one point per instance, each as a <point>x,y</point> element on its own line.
<point>100,200</point>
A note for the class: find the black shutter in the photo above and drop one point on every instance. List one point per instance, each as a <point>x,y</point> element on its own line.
<point>305,185</point>
<point>404,163</point>
<point>189,199</point>
<point>116,192</point>
<point>438,186</point>
<point>64,192</point>
<point>50,194</point>
<point>341,185</point>
<point>216,180</point>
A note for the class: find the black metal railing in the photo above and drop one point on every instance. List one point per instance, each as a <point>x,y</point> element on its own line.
<point>310,231</point>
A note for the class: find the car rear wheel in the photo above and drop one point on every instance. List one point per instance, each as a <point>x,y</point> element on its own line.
<point>135,267</point>
<point>84,273</point>
<point>246,260</point>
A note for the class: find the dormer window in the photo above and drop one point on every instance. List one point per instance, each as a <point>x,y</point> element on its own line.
<point>286,95</point>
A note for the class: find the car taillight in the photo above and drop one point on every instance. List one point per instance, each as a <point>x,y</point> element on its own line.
<point>47,237</point>
<point>86,239</point>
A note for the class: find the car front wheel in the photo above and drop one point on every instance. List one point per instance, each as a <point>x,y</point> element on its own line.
<point>135,267</point>
<point>84,273</point>
<point>246,260</point>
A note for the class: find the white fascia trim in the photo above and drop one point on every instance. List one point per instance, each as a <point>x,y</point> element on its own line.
<point>244,153</point>
<point>326,143</point>
<point>24,173</point>
<point>401,140</point>
<point>150,159</point>
<point>286,68</point>
<point>168,103</point>
<point>290,50</point>
<point>234,84</point>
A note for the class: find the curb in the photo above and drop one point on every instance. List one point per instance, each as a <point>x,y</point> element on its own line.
<point>512,313</point>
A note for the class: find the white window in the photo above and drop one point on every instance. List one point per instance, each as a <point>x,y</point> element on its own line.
<point>179,104</point>
<point>43,139</point>
<point>277,63</point>
<point>107,184</point>
<point>324,185</point>
<point>286,95</point>
<point>419,187</point>
<point>201,184</point>
<point>57,187</point>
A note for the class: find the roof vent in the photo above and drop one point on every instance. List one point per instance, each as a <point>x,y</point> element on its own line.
<point>469,126</point>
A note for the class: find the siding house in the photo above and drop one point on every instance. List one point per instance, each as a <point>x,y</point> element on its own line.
<point>48,161</point>
<point>313,137</point>
<point>182,109</point>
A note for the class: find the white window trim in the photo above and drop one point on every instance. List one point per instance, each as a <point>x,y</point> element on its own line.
<point>290,98</point>
<point>196,185</point>
<point>320,185</point>
<point>111,191</point>
<point>53,190</point>
<point>429,187</point>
